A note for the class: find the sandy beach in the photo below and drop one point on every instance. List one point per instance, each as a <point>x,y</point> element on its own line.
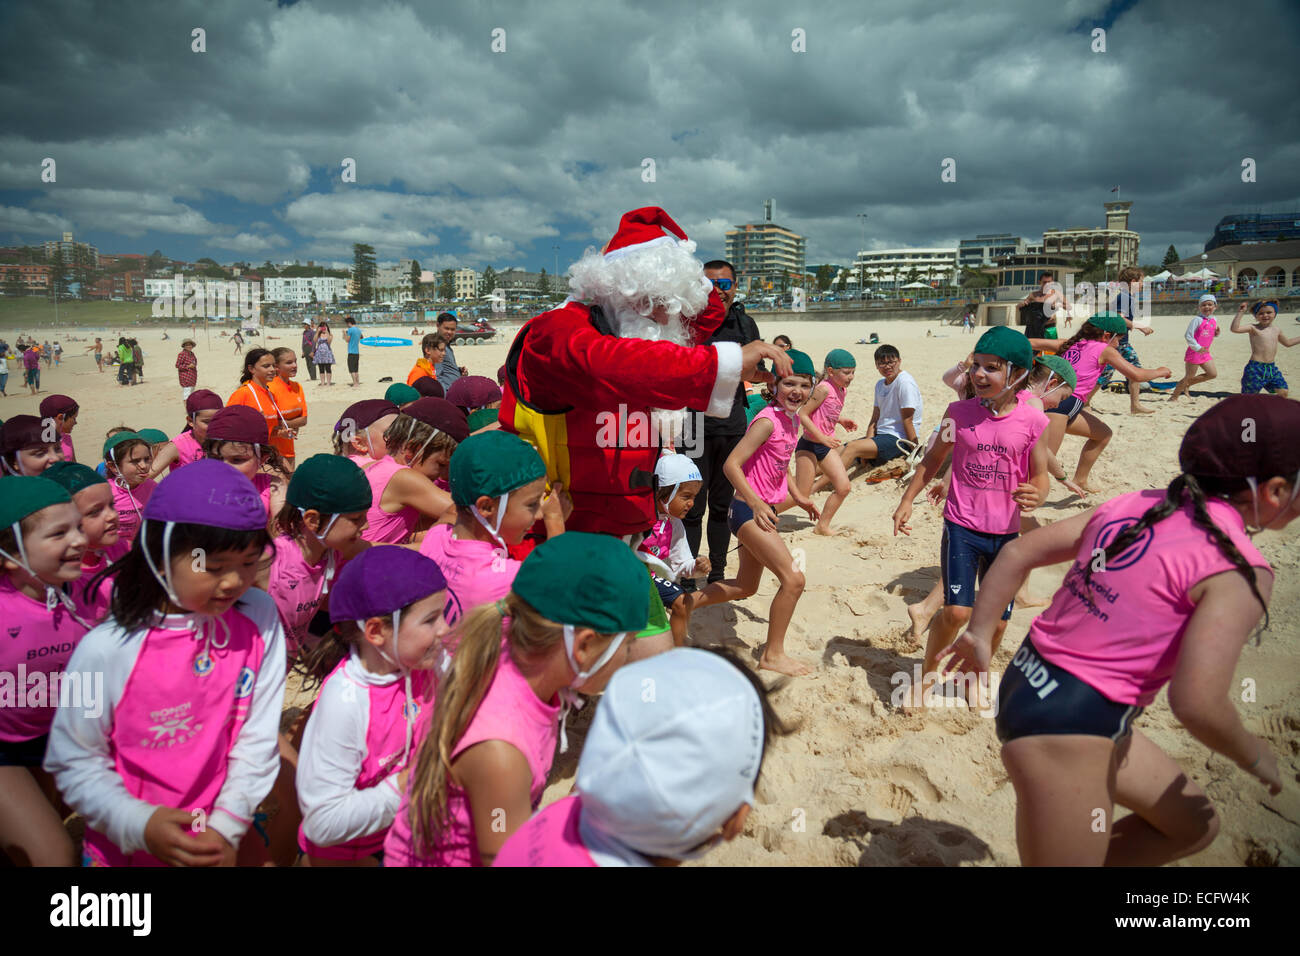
<point>858,782</point>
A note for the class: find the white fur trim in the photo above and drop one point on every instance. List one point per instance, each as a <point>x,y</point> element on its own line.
<point>724,386</point>
<point>641,246</point>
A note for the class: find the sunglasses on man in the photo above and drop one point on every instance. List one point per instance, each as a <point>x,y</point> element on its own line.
<point>722,285</point>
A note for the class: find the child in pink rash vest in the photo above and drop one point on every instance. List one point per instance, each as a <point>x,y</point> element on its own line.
<point>237,436</point>
<point>187,447</point>
<point>758,468</point>
<point>497,482</point>
<point>40,556</point>
<point>657,786</point>
<point>1166,587</point>
<point>999,470</point>
<point>193,669</point>
<point>127,460</point>
<point>62,411</point>
<point>420,442</point>
<point>562,628</point>
<point>323,516</point>
<point>387,611</point>
<point>93,496</point>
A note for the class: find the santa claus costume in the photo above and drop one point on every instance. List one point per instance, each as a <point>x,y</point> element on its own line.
<point>584,381</point>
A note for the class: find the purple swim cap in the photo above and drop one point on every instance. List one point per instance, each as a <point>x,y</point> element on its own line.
<point>208,492</point>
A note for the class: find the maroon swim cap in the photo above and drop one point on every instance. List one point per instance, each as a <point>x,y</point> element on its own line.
<point>429,387</point>
<point>202,400</point>
<point>1244,436</point>
<point>239,423</point>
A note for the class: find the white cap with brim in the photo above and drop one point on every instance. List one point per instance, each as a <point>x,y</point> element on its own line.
<point>674,750</point>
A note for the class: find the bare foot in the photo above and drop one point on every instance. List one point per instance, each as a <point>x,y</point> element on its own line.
<point>920,620</point>
<point>783,664</point>
<point>1087,489</point>
<point>818,529</point>
<point>1141,410</point>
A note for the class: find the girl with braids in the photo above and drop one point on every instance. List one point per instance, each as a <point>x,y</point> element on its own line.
<point>1166,587</point>
<point>487,749</point>
<point>1090,350</point>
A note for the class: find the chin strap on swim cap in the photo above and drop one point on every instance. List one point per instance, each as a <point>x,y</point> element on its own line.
<point>1254,497</point>
<point>320,539</point>
<point>571,699</point>
<point>54,596</point>
<point>408,714</point>
<point>208,624</point>
<point>17,461</point>
<point>419,456</point>
<point>990,402</point>
<point>495,530</point>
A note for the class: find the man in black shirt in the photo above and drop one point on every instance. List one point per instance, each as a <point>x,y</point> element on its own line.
<point>721,435</point>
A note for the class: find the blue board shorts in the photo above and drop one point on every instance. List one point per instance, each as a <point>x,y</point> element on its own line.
<point>1261,377</point>
<point>1037,697</point>
<point>964,557</point>
<point>886,448</point>
<point>816,447</point>
<point>1069,406</point>
<point>668,592</point>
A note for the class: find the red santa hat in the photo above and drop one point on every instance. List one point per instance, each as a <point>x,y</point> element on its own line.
<point>641,229</point>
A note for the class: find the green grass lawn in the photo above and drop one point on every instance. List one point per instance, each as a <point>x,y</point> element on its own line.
<point>30,312</point>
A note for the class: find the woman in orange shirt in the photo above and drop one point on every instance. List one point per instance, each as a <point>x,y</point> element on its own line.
<point>254,391</point>
<point>290,399</point>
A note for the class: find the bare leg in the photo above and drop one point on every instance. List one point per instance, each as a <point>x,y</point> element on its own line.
<point>805,469</point>
<point>766,549</point>
<point>834,470</point>
<point>679,617</point>
<point>31,831</point>
<point>1172,817</point>
<point>1190,370</point>
<point>1135,406</point>
<point>922,612</point>
<point>1098,435</point>
<point>1064,798</point>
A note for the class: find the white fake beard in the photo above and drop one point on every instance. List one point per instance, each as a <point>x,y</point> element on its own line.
<point>631,324</point>
<point>669,424</point>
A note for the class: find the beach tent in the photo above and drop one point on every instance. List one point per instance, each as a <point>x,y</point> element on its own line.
<point>916,285</point>
<point>1162,276</point>
<point>1205,274</point>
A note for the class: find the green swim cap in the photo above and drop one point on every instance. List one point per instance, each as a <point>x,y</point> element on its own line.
<point>840,358</point>
<point>482,418</point>
<point>491,464</point>
<point>1062,369</point>
<point>1006,343</point>
<point>72,476</point>
<point>24,495</point>
<point>399,393</point>
<point>801,362</point>
<point>330,484</point>
<point>154,436</point>
<point>114,440</point>
<point>585,580</point>
<point>1109,322</point>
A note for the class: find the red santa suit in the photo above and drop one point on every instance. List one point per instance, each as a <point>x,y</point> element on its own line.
<point>583,396</point>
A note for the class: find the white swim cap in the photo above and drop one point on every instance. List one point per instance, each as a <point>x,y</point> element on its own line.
<point>671,470</point>
<point>674,750</point>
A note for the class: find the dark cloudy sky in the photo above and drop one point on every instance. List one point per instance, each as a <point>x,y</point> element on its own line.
<point>469,156</point>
